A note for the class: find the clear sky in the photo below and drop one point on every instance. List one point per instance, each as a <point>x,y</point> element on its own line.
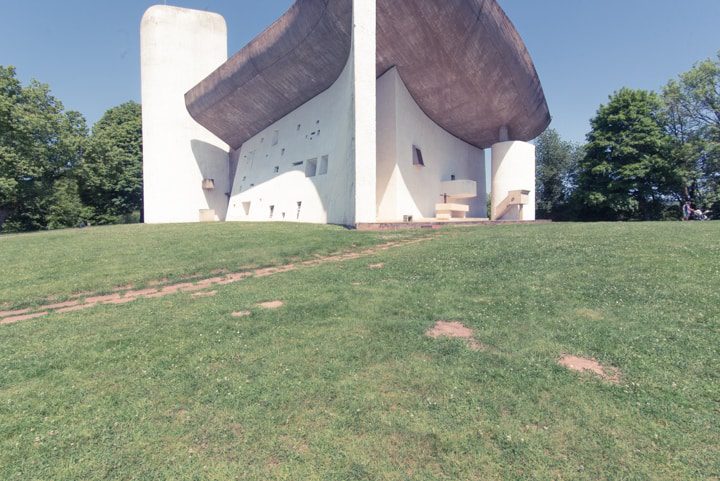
<point>88,50</point>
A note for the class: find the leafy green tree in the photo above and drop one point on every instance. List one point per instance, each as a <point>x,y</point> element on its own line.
<point>39,143</point>
<point>693,111</point>
<point>557,162</point>
<point>627,172</point>
<point>111,174</point>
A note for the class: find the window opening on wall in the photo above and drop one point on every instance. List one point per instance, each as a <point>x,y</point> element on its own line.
<point>283,214</point>
<point>272,211</point>
<point>311,167</point>
<point>298,164</point>
<point>276,169</point>
<point>298,127</point>
<point>317,122</point>
<point>299,204</point>
<point>452,177</point>
<point>323,169</point>
<point>262,140</point>
<point>282,152</point>
<point>418,157</point>
<point>275,137</point>
<point>246,207</point>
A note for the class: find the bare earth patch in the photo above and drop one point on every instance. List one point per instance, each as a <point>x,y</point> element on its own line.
<point>376,266</point>
<point>583,364</point>
<point>455,330</point>
<point>271,304</point>
<point>198,295</point>
<point>239,314</point>
<point>591,314</point>
<point>24,317</point>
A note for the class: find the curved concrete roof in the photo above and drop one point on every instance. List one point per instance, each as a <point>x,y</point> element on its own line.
<point>462,61</point>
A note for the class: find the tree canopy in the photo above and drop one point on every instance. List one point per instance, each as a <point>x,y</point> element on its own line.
<point>627,171</point>
<point>53,173</point>
<point>556,175</point>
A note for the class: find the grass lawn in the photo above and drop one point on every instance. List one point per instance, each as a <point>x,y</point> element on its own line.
<point>63,262</point>
<point>341,383</point>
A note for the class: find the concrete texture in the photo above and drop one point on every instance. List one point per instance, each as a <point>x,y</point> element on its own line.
<point>405,189</point>
<point>180,47</point>
<point>462,61</point>
<point>513,169</point>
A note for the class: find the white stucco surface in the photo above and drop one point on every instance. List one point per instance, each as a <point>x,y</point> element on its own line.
<point>513,168</point>
<point>405,189</point>
<point>364,95</point>
<point>179,48</point>
<point>323,127</point>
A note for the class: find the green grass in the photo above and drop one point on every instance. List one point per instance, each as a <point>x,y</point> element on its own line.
<point>342,384</point>
<point>60,263</point>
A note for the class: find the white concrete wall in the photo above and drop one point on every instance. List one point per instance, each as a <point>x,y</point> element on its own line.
<point>364,95</point>
<point>324,126</point>
<point>406,189</point>
<point>179,48</point>
<point>513,168</point>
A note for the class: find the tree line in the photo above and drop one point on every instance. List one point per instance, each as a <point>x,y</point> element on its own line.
<point>646,154</point>
<point>54,171</point>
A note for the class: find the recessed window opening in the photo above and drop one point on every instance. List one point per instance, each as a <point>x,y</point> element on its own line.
<point>418,157</point>
<point>323,169</point>
<point>299,204</point>
<point>246,207</point>
<point>298,164</point>
<point>298,127</point>
<point>276,169</point>
<point>272,211</point>
<point>262,140</point>
<point>275,137</point>
<point>282,152</point>
<point>311,167</point>
<point>452,177</point>
<point>317,122</point>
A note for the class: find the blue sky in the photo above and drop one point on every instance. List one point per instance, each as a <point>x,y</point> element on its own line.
<point>88,50</point>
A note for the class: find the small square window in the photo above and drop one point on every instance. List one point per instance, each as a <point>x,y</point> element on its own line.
<point>276,169</point>
<point>418,157</point>
<point>311,167</point>
<point>323,167</point>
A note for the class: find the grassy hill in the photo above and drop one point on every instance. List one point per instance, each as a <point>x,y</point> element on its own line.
<point>342,382</point>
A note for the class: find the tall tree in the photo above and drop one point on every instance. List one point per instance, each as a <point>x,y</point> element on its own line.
<point>693,106</point>
<point>111,174</point>
<point>627,171</point>
<point>557,162</point>
<point>39,144</point>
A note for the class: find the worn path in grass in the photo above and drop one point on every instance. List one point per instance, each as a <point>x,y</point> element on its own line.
<point>128,294</point>
<point>57,266</point>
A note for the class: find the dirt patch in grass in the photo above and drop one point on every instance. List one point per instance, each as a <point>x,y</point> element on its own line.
<point>199,295</point>
<point>24,317</point>
<point>585,364</point>
<point>455,330</point>
<point>271,304</point>
<point>240,314</point>
<point>591,314</point>
<point>376,266</point>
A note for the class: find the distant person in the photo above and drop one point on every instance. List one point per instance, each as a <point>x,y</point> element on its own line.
<point>687,210</point>
<point>691,212</point>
